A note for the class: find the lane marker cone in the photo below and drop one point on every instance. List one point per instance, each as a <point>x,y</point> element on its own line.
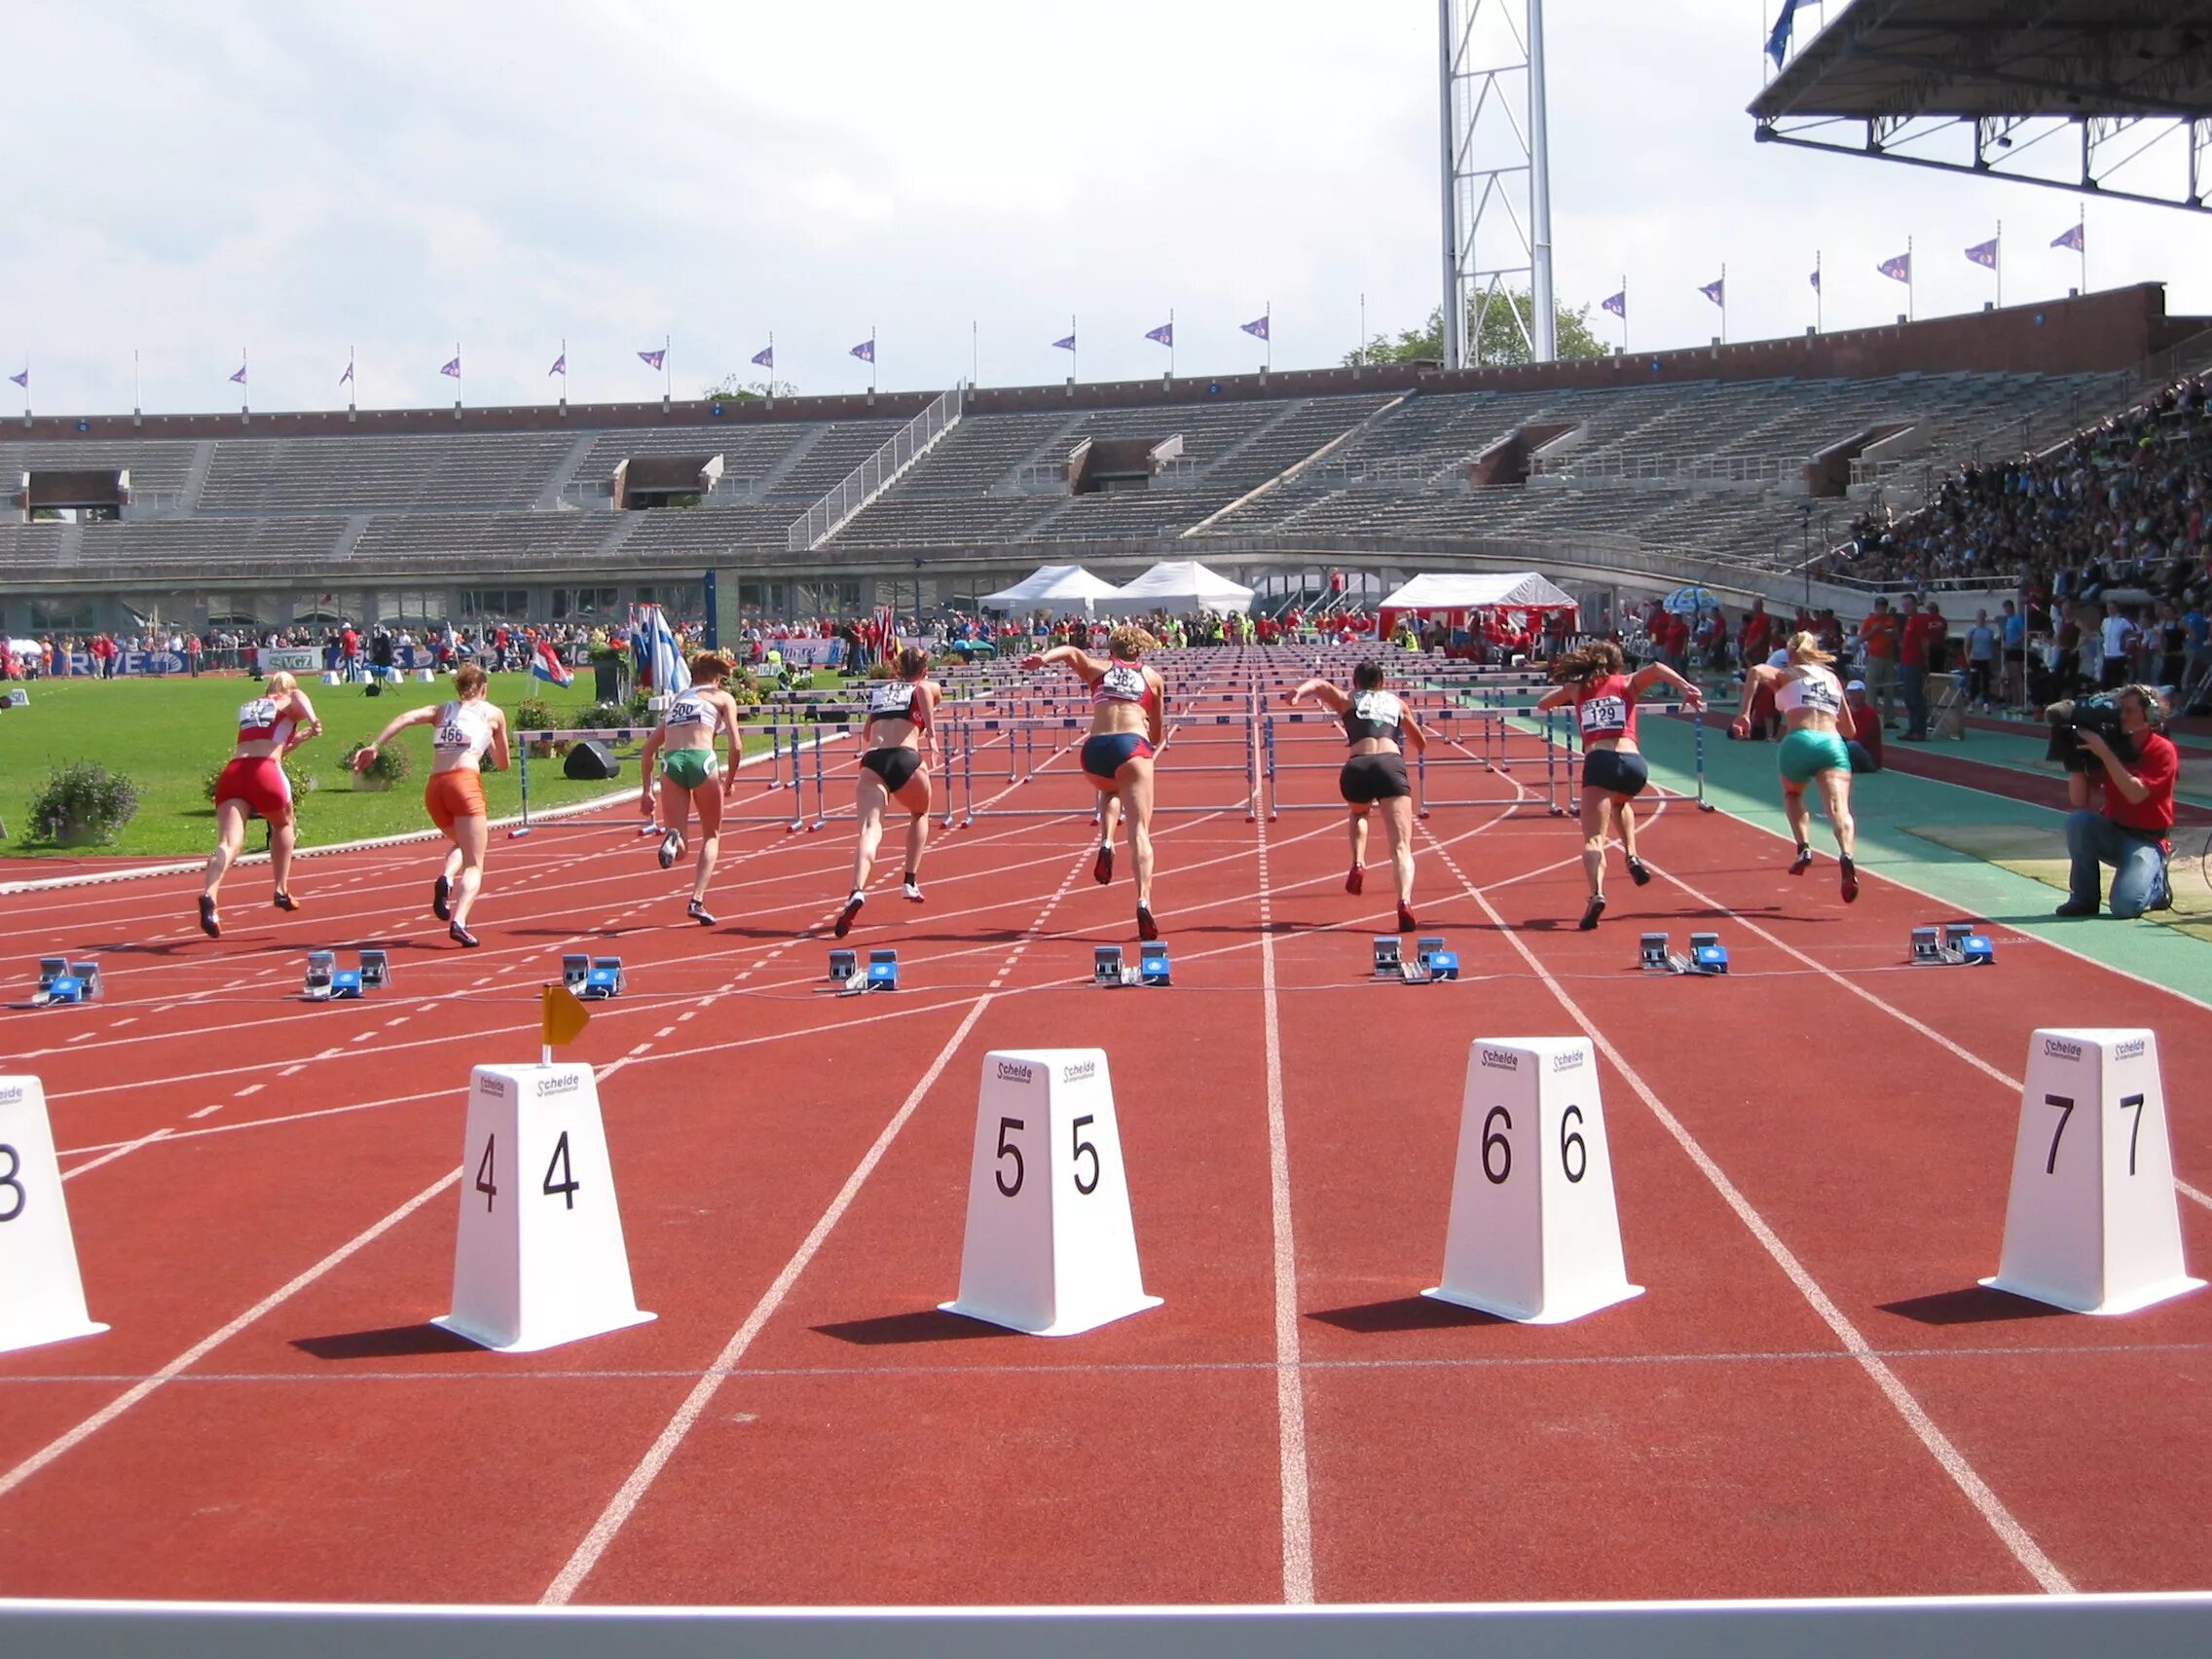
<point>1535,1234</point>
<point>42,1297</point>
<point>539,1260</point>
<point>2093,1223</point>
<point>1049,1247</point>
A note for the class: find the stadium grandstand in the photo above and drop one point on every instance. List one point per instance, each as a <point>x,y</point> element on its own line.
<point>1738,466</point>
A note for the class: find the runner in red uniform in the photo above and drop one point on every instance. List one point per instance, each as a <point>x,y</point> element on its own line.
<point>270,727</point>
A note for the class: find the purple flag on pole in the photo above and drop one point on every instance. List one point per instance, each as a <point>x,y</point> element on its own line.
<point>1897,270</point>
<point>1716,291</point>
<point>766,357</point>
<point>1815,279</point>
<point>653,360</point>
<point>453,368</point>
<point>1067,344</point>
<point>1617,304</point>
<point>349,374</point>
<point>1257,327</point>
<point>239,377</point>
<point>560,366</point>
<point>865,351</point>
<point>22,380</point>
<point>2071,237</point>
<point>1984,253</point>
<point>1165,334</point>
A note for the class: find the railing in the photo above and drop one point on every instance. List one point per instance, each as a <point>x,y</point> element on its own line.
<point>874,476</point>
<point>1670,468</point>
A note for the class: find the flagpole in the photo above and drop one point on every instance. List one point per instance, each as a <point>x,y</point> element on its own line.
<point>2082,243</point>
<point>1363,331</point>
<point>974,350</point>
<point>246,381</point>
<point>1624,314</point>
<point>1911,302</point>
<point>1999,265</point>
<point>1170,341</point>
<point>1072,334</point>
<point>1269,313</point>
<point>1820,296</point>
<point>871,357</point>
<point>667,374</point>
<point>1724,302</point>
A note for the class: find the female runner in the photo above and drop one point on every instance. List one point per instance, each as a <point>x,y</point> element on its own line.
<point>1377,725</point>
<point>1594,678</point>
<point>1126,731</point>
<point>1818,716</point>
<point>270,727</point>
<point>684,741</point>
<point>466,730</point>
<point>901,732</point>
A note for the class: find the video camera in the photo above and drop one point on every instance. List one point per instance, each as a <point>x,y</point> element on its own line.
<point>2099,713</point>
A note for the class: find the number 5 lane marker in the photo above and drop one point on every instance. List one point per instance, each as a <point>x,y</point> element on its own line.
<point>2001,1519</point>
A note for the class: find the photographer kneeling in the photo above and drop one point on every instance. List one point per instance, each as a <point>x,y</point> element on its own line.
<point>2118,737</point>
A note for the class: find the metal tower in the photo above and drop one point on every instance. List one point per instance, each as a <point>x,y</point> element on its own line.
<point>1496,172</point>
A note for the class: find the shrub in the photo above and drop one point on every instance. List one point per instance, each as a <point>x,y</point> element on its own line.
<point>301,780</point>
<point>390,766</point>
<point>536,714</point>
<point>82,805</point>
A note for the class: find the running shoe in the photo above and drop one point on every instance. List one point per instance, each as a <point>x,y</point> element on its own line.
<point>845,916</point>
<point>461,936</point>
<point>1355,878</point>
<point>1406,922</point>
<point>283,900</point>
<point>1147,928</point>
<point>209,923</point>
<point>1803,861</point>
<point>698,912</point>
<point>671,847</point>
<point>1102,868</point>
<point>1638,873</point>
<point>441,900</point>
<point>1850,882</point>
<point>1590,916</point>
<point>912,889</point>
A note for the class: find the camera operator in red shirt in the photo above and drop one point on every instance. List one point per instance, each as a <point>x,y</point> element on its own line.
<point>2130,832</point>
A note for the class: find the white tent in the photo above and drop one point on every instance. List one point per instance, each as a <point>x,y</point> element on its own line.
<point>1055,587</point>
<point>1178,585</point>
<point>1484,590</point>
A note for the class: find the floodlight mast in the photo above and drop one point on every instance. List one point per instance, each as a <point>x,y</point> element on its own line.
<point>1496,173</point>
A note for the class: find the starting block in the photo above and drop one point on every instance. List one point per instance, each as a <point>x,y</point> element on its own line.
<point>1535,1234</point>
<point>1389,956</point>
<point>882,970</point>
<point>42,1297</point>
<point>1110,970</point>
<point>1432,961</point>
<point>2092,1223</point>
<point>327,981</point>
<point>593,978</point>
<point>1437,963</point>
<point>376,970</point>
<point>1956,945</point>
<point>844,966</point>
<point>1707,955</point>
<point>1049,1248</point>
<point>61,981</point>
<point>1153,966</point>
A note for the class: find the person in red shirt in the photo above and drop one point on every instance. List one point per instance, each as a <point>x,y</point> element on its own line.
<point>1866,746</point>
<point>1758,632</point>
<point>2131,832</point>
<point>1920,652</point>
<point>1879,634</point>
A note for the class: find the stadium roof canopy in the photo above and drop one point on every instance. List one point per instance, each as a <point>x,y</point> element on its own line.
<point>1894,78</point>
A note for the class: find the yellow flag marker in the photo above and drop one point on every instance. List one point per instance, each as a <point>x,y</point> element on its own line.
<point>565,1019</point>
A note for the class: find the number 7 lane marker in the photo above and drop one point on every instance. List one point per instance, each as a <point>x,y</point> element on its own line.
<point>2001,1519</point>
<point>624,1503</point>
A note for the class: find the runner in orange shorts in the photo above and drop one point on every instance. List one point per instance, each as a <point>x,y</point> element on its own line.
<point>465,730</point>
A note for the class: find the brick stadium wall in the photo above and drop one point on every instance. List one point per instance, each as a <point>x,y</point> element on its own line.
<point>2097,333</point>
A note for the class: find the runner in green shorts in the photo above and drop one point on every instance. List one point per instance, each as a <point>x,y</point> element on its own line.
<point>684,741</point>
<point>1813,706</point>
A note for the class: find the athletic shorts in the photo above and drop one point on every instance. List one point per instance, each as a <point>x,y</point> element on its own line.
<point>455,795</point>
<point>1105,756</point>
<point>895,766</point>
<point>689,767</point>
<point>1370,778</point>
<point>260,784</point>
<point>1616,771</point>
<point>1805,754</point>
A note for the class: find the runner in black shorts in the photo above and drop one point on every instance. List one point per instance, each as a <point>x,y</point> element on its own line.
<point>1376,723</point>
<point>900,731</point>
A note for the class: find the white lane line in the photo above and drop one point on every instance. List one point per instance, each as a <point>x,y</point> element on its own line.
<point>1290,1384</point>
<point>664,1031</point>
<point>366,1037</point>
<point>121,1023</point>
<point>399,1021</point>
<point>289,1071</point>
<point>248,1092</point>
<point>205,1111</point>
<point>192,1355</point>
<point>123,1151</point>
<point>2001,1519</point>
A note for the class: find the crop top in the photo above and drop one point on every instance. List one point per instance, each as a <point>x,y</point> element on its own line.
<point>464,730</point>
<point>1374,713</point>
<point>260,722</point>
<point>1606,709</point>
<point>692,708</point>
<point>1122,683</point>
<point>899,700</point>
<point>1811,687</point>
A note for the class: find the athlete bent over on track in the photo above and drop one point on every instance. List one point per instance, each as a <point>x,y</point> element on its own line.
<point>270,728</point>
<point>1377,725</point>
<point>1613,771</point>
<point>1127,731</point>
<point>684,741</point>
<point>901,732</point>
<point>1818,718</point>
<point>463,730</point>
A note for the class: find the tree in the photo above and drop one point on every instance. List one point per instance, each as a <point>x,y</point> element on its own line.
<point>730,389</point>
<point>1500,340</point>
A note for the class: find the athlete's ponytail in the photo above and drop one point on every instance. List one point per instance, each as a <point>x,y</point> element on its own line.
<point>1595,660</point>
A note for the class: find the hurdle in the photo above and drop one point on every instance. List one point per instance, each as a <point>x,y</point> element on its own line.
<point>1063,735</point>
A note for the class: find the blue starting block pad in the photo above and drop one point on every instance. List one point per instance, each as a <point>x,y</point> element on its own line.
<point>1437,962</point>
<point>63,983</point>
<point>1707,955</point>
<point>882,970</point>
<point>1432,961</point>
<point>1955,944</point>
<point>1110,969</point>
<point>593,978</point>
<point>327,981</point>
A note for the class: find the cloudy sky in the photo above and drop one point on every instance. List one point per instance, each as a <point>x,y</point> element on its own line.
<point>295,181</point>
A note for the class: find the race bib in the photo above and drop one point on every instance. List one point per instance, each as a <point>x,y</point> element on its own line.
<point>895,699</point>
<point>1379,708</point>
<point>450,733</point>
<point>1818,695</point>
<point>260,714</point>
<point>1123,683</point>
<point>1605,714</point>
<point>689,711</point>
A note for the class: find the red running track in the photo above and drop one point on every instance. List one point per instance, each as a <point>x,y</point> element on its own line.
<point>1812,1398</point>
